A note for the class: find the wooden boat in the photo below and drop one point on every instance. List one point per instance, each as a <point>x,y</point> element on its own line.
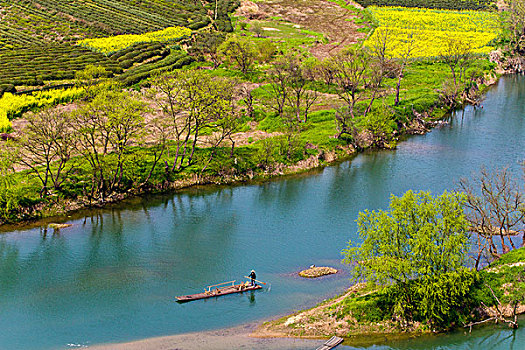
<point>331,343</point>
<point>217,290</point>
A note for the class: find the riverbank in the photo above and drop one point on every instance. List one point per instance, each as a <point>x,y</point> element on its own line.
<point>319,150</point>
<point>63,206</point>
<point>355,314</point>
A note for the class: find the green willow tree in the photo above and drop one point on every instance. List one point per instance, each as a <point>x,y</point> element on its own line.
<point>418,248</point>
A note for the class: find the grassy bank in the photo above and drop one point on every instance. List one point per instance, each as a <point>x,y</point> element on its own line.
<point>263,149</point>
<point>366,310</point>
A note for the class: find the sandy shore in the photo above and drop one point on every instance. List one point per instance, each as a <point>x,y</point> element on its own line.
<point>231,338</point>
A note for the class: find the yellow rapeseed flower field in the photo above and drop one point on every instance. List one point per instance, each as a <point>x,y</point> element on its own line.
<point>430,30</point>
<point>11,104</point>
<point>5,124</point>
<point>119,42</point>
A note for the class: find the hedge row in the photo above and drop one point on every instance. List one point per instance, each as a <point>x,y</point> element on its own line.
<point>175,60</point>
<point>128,16</point>
<point>434,4</point>
<point>34,65</point>
<point>138,53</point>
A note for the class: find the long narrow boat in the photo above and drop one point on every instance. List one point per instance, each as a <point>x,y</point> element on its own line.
<point>218,290</point>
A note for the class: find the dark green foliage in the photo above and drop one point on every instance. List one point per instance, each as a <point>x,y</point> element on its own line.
<point>514,256</point>
<point>424,103</point>
<point>444,300</point>
<point>202,22</point>
<point>134,50</point>
<point>436,4</point>
<point>441,302</point>
<point>175,60</point>
<point>7,88</point>
<point>224,8</point>
<point>505,277</point>
<point>31,66</point>
<point>126,16</point>
<point>374,307</point>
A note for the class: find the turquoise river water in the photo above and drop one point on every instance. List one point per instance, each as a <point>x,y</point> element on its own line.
<point>113,275</point>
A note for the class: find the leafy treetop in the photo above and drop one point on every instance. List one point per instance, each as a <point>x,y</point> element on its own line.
<point>420,235</point>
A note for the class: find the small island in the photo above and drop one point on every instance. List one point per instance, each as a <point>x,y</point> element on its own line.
<point>317,271</point>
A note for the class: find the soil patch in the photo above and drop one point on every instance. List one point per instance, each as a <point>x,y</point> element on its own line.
<point>336,23</point>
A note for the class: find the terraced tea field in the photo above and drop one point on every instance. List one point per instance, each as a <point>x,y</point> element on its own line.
<point>37,37</point>
<point>32,66</point>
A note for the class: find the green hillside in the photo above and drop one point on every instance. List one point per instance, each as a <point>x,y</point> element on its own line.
<point>38,37</point>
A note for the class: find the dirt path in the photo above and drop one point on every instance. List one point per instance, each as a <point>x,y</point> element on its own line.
<point>338,24</point>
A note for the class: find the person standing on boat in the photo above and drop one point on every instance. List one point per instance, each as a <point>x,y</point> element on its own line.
<point>252,277</point>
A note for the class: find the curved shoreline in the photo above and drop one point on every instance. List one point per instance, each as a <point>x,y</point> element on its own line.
<point>229,338</point>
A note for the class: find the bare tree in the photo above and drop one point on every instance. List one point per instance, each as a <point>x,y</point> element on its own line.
<point>457,55</point>
<point>402,61</point>
<point>382,60</point>
<point>325,71</point>
<point>247,98</point>
<point>207,43</point>
<point>195,101</point>
<point>290,79</point>
<point>300,98</point>
<point>166,91</point>
<point>225,124</point>
<point>47,147</point>
<point>240,51</point>
<point>347,124</point>
<point>496,209</point>
<point>257,28</point>
<point>357,77</point>
<point>350,76</point>
<point>278,87</point>
<point>160,130</point>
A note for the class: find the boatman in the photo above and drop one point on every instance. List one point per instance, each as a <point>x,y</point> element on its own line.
<point>252,277</point>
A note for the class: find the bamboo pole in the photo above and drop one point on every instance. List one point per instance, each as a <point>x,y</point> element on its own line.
<point>255,280</point>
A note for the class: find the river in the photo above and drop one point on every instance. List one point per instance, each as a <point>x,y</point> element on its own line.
<point>113,275</point>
